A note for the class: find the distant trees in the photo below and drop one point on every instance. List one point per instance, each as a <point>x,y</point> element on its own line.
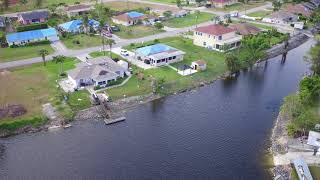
<point>313,58</point>
<point>158,25</point>
<point>60,60</point>
<point>167,14</point>
<point>276,5</point>
<point>179,4</point>
<point>232,62</point>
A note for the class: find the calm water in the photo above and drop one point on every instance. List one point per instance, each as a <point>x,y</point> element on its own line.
<point>215,132</point>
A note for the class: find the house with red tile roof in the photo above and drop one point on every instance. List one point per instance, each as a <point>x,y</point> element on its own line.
<point>245,29</point>
<point>222,3</point>
<point>216,37</point>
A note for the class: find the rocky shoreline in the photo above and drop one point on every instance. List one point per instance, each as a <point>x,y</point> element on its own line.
<point>279,145</point>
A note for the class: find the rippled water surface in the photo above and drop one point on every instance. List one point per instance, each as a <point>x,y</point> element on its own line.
<point>216,132</point>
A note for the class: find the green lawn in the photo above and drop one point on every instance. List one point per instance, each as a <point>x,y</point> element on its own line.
<point>12,54</point>
<point>262,26</point>
<point>173,81</point>
<point>104,53</point>
<point>188,20</point>
<point>260,13</point>
<point>79,100</point>
<point>85,41</point>
<point>34,86</point>
<point>137,31</point>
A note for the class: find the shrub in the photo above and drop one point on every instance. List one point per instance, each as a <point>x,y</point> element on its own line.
<point>31,27</point>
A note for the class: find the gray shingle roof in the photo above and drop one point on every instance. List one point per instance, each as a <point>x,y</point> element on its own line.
<point>100,68</point>
<point>35,15</point>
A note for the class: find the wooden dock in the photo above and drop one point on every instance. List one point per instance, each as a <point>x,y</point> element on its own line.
<point>106,112</point>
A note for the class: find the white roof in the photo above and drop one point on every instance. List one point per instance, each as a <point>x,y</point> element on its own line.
<point>314,139</point>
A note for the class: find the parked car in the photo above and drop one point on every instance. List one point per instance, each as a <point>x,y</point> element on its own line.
<point>115,28</point>
<point>124,52</point>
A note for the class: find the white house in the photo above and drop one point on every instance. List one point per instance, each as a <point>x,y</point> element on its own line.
<point>159,54</point>
<point>281,17</point>
<point>199,65</point>
<point>216,37</point>
<point>97,72</point>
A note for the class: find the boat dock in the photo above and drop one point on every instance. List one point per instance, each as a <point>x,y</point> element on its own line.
<point>106,112</point>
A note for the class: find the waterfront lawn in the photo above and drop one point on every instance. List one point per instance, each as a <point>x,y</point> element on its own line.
<point>188,20</point>
<point>25,52</point>
<point>173,81</point>
<point>85,41</point>
<point>79,100</point>
<point>136,31</point>
<point>32,87</point>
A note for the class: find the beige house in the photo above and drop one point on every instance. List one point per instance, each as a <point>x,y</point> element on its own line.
<point>78,10</point>
<point>216,37</point>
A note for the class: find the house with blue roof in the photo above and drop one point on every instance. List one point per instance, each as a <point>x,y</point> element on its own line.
<point>75,26</point>
<point>159,54</point>
<point>23,38</point>
<point>129,18</point>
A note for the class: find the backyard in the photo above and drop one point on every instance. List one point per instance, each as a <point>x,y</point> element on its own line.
<point>188,20</point>
<point>34,86</point>
<point>173,81</point>
<point>120,6</point>
<point>136,31</point>
<point>18,53</point>
<point>81,41</point>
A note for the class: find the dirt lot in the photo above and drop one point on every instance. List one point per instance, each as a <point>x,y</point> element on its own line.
<point>24,88</point>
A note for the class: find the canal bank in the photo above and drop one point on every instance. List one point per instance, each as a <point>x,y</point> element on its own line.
<point>200,134</point>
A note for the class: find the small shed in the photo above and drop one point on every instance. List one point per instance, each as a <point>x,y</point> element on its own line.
<point>199,65</point>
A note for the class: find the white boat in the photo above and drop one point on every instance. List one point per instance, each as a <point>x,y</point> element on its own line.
<point>54,127</point>
<point>67,126</point>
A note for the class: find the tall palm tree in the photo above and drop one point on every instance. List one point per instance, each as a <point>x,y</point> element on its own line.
<point>85,21</point>
<point>60,60</point>
<point>110,42</point>
<point>197,16</point>
<point>43,53</point>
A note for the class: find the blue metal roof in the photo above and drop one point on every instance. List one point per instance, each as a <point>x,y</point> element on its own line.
<point>71,26</point>
<point>154,49</point>
<point>134,14</point>
<point>74,26</point>
<point>30,35</point>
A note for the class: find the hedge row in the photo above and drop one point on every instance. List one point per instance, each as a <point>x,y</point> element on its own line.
<point>31,27</point>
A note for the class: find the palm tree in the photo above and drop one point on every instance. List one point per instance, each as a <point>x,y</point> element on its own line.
<point>43,53</point>
<point>286,40</point>
<point>110,42</point>
<point>60,60</point>
<point>85,21</point>
<point>197,16</point>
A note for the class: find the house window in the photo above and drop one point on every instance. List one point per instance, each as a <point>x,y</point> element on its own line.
<point>204,43</point>
<point>220,37</point>
<point>174,57</point>
<point>163,60</point>
<point>170,58</point>
<point>158,61</point>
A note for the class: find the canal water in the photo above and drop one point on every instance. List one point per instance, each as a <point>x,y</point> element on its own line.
<point>219,131</point>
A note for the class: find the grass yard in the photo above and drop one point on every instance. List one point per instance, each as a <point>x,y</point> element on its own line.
<point>85,41</point>
<point>79,100</point>
<point>315,172</point>
<point>262,13</point>
<point>136,31</point>
<point>34,86</point>
<point>31,5</point>
<point>173,81</point>
<point>105,53</point>
<point>262,26</point>
<point>239,7</point>
<point>12,54</point>
<point>188,20</point>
